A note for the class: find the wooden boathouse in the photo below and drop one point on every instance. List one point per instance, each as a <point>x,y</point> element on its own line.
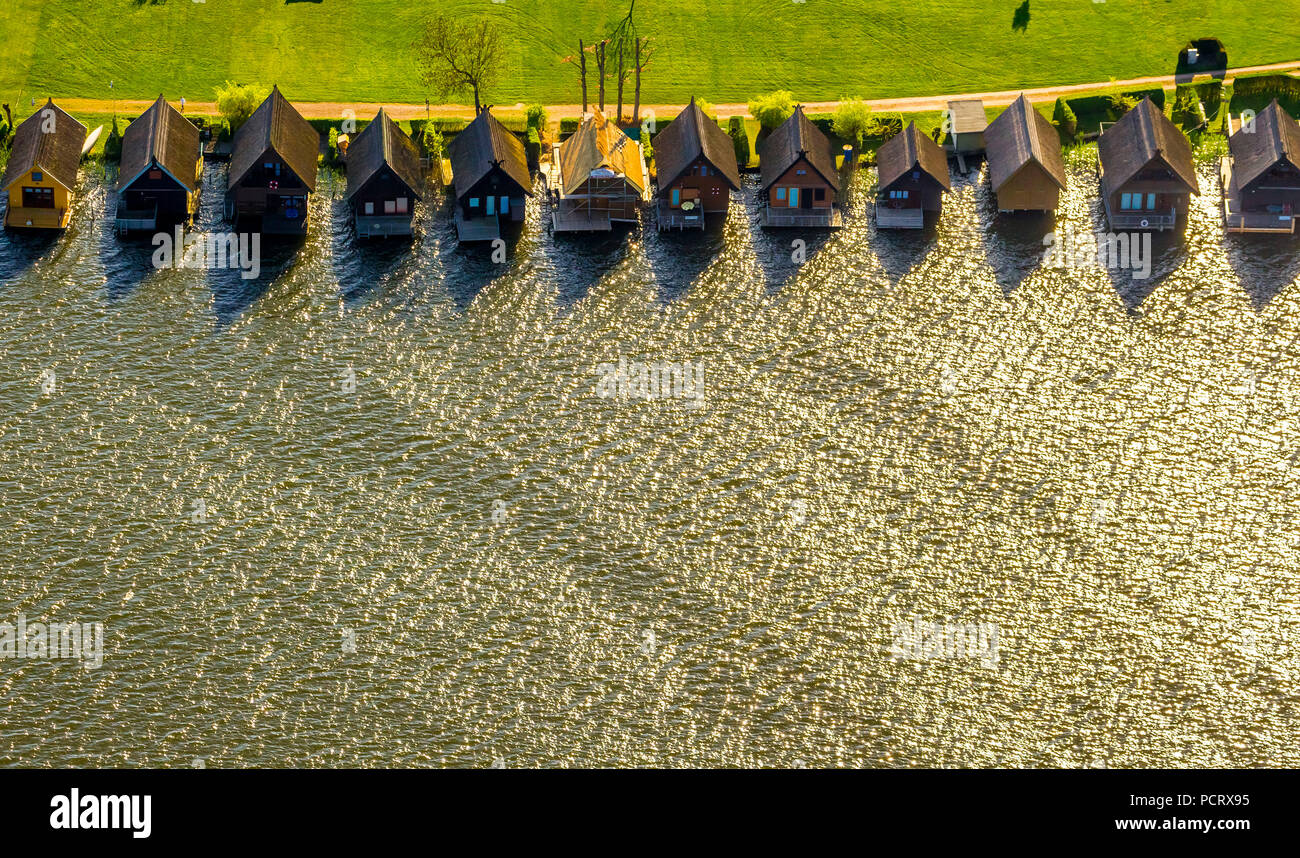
<point>800,185</point>
<point>695,170</point>
<point>1261,174</point>
<point>1026,168</point>
<point>42,171</point>
<point>160,171</point>
<point>1147,172</point>
<point>913,173</point>
<point>273,168</point>
<point>489,169</point>
<point>598,177</point>
<point>384,177</point>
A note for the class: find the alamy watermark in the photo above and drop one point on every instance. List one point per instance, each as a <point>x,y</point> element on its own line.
<point>922,641</point>
<point>654,380</point>
<point>1067,248</point>
<point>84,641</point>
<point>213,250</point>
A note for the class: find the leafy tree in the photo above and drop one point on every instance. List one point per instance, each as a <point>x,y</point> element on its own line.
<point>852,121</point>
<point>236,102</point>
<point>455,56</point>
<point>1063,116</point>
<point>707,108</point>
<point>772,109</point>
<point>536,116</point>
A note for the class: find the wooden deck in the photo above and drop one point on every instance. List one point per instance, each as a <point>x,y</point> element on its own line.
<point>37,218</point>
<point>477,229</point>
<point>1237,220</point>
<point>139,220</point>
<point>568,220</point>
<point>910,218</point>
<point>826,218</point>
<point>381,226</point>
<point>667,217</point>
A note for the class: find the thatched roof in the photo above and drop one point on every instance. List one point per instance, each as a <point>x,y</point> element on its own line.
<point>797,138</point>
<point>911,150</point>
<point>600,144</point>
<point>163,136</point>
<point>56,152</point>
<point>486,143</point>
<point>688,137</point>
<point>276,125</point>
<point>382,143</point>
<point>1275,139</point>
<point>1021,135</point>
<point>1141,136</point>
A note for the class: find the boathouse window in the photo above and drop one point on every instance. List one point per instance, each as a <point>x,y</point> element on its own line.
<point>401,205</point>
<point>390,207</point>
<point>677,196</point>
<point>1126,201</point>
<point>370,208</point>
<point>898,195</point>
<point>819,194</point>
<point>801,172</point>
<point>780,193</point>
<point>473,202</point>
<point>38,177</point>
<point>1151,201</point>
<point>38,198</point>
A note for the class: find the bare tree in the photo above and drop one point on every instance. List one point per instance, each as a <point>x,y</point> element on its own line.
<point>600,70</point>
<point>642,59</point>
<point>453,56</point>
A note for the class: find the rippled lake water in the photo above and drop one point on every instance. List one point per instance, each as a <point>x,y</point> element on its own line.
<point>368,510</point>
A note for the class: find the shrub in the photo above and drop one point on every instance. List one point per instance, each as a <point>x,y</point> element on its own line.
<point>569,124</point>
<point>1064,118</point>
<point>533,147</point>
<point>236,102</point>
<point>434,143</point>
<point>739,140</point>
<point>707,108</point>
<point>535,116</point>
<point>113,145</point>
<point>772,109</point>
<point>852,121</point>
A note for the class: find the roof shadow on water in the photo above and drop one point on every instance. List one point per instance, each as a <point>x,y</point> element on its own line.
<point>678,257</point>
<point>1135,282</point>
<point>779,252</point>
<point>21,249</point>
<point>1013,241</point>
<point>233,291</point>
<point>899,251</point>
<point>127,259</point>
<point>364,265</point>
<point>1264,264</point>
<point>580,260</point>
<point>469,266</point>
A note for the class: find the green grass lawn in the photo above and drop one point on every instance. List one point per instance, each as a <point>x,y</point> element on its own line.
<point>725,50</point>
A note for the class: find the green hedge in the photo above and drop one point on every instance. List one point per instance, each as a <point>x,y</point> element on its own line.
<point>739,139</point>
<point>533,147</point>
<point>1254,92</point>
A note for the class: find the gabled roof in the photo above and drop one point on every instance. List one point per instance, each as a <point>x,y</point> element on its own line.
<point>379,143</point>
<point>1276,138</point>
<point>1139,137</point>
<point>1021,135</point>
<point>688,137</point>
<point>797,138</point>
<point>163,135</point>
<point>276,125</point>
<point>600,144</point>
<point>57,153</point>
<point>911,150</point>
<point>968,116</point>
<point>486,143</point>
